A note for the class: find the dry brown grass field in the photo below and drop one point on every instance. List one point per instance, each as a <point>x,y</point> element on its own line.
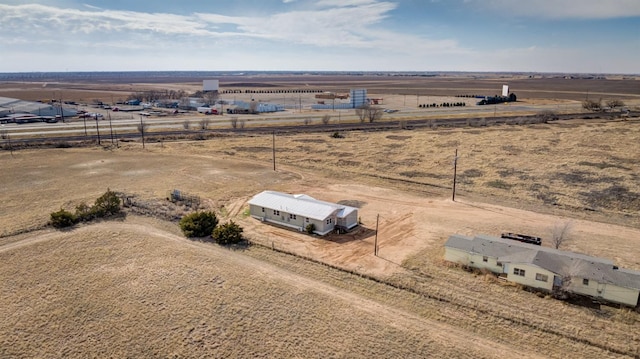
<point>134,287</point>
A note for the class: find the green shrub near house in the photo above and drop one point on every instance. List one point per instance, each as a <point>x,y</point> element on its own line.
<point>228,233</point>
<point>198,224</point>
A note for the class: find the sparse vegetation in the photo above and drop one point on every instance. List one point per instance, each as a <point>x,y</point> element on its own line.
<point>198,224</point>
<point>613,104</point>
<point>310,228</point>
<point>591,105</point>
<point>63,219</point>
<point>105,206</point>
<point>228,233</point>
<point>500,184</point>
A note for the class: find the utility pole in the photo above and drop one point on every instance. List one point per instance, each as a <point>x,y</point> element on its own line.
<point>98,130</point>
<point>10,147</point>
<point>274,150</point>
<point>375,243</point>
<point>142,131</point>
<point>110,125</point>
<point>84,119</point>
<point>61,109</point>
<point>455,170</point>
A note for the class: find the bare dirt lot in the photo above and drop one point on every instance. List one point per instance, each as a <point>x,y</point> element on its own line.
<point>135,287</point>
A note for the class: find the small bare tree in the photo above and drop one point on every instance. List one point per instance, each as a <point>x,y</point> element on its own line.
<point>142,128</point>
<point>326,119</point>
<point>591,105</point>
<point>374,113</point>
<point>241,123</point>
<point>234,122</point>
<point>361,112</point>
<point>210,97</point>
<point>204,123</point>
<point>613,104</point>
<point>186,124</point>
<point>307,121</point>
<point>561,233</point>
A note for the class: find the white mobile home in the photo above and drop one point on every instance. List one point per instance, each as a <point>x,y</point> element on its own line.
<point>547,268</point>
<point>299,210</point>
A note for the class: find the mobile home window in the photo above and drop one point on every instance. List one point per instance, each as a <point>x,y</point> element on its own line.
<point>292,216</point>
<point>276,212</point>
<point>585,281</point>
<point>485,258</point>
<point>262,209</point>
<point>542,277</point>
<point>518,271</point>
<point>307,220</point>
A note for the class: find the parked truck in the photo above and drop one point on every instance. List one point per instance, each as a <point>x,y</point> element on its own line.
<point>208,110</point>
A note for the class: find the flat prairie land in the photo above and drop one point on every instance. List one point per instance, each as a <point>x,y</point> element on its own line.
<point>135,287</point>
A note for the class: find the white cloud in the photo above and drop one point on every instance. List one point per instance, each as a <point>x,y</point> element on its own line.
<point>348,24</point>
<point>564,9</point>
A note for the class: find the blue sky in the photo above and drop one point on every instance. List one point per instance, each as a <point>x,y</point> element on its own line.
<point>578,36</point>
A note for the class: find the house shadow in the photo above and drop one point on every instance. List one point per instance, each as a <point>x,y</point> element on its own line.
<point>358,233</point>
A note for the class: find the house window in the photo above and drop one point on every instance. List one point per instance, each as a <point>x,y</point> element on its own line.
<point>499,264</point>
<point>485,258</point>
<point>329,220</point>
<point>518,271</point>
<point>276,212</point>
<point>585,281</point>
<point>542,277</point>
<point>292,216</point>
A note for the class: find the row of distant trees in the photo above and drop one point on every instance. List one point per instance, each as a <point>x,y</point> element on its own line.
<point>596,106</point>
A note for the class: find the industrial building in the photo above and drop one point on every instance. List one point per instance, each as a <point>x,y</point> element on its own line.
<point>210,85</point>
<point>357,98</point>
<point>13,106</point>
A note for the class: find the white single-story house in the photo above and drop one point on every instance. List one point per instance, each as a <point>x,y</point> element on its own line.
<point>298,211</point>
<point>546,268</point>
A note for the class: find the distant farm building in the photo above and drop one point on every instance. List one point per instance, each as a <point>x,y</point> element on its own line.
<point>547,269</point>
<point>297,211</point>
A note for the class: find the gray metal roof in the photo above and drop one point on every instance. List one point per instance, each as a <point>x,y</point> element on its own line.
<point>13,105</point>
<point>563,263</point>
<point>300,204</point>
